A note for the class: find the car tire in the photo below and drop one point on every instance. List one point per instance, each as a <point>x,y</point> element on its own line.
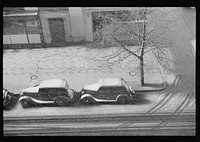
<point>88,100</point>
<point>122,100</point>
<point>61,101</point>
<point>25,103</point>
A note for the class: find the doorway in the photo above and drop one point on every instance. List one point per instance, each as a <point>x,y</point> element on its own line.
<point>57,31</point>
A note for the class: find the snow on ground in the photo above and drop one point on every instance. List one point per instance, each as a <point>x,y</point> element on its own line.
<point>76,64</point>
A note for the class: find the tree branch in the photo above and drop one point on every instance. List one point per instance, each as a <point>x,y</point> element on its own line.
<point>125,47</point>
<point>131,32</point>
<point>147,34</point>
<point>117,61</point>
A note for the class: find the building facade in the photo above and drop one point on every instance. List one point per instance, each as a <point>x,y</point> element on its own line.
<point>45,26</point>
<point>49,26</point>
<point>21,27</point>
<point>52,26</point>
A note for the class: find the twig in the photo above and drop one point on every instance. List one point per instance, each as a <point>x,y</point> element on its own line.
<point>125,47</point>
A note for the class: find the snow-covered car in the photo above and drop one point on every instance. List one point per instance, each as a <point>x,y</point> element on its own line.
<point>108,90</point>
<point>7,96</point>
<point>52,91</point>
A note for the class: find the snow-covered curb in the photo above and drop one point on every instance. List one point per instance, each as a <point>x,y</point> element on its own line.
<point>146,88</point>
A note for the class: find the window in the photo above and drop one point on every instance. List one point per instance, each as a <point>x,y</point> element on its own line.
<point>52,91</point>
<point>120,89</point>
<point>61,91</point>
<point>43,91</point>
<point>13,27</point>
<point>117,89</point>
<point>112,89</point>
<point>19,26</point>
<point>104,89</point>
<point>32,26</point>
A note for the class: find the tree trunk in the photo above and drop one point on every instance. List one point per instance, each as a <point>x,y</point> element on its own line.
<point>141,71</point>
<point>142,50</point>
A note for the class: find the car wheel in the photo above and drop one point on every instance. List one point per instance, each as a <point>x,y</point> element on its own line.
<point>25,103</point>
<point>88,100</point>
<point>122,100</point>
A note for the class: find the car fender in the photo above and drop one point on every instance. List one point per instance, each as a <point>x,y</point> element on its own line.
<point>25,97</point>
<point>86,95</point>
<point>34,100</point>
<point>121,95</point>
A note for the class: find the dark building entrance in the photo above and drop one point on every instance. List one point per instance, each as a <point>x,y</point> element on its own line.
<point>57,31</point>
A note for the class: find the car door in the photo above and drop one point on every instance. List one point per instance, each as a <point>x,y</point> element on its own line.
<point>52,93</point>
<point>120,90</point>
<point>104,93</point>
<point>43,94</point>
<point>62,92</point>
<point>117,90</point>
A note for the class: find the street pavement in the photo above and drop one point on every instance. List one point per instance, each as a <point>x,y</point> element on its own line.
<point>154,113</point>
<point>126,124</point>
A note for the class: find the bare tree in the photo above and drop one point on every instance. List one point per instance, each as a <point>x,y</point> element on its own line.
<point>145,29</point>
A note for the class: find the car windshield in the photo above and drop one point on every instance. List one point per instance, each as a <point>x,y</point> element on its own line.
<point>69,90</point>
<point>4,93</point>
<point>124,83</point>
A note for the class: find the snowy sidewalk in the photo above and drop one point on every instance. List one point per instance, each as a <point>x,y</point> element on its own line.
<point>149,86</point>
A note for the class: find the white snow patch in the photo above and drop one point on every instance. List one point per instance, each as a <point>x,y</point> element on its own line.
<point>94,87</point>
<point>21,14</point>
<point>31,89</point>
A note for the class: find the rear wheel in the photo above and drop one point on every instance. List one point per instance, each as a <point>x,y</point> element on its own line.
<point>25,103</point>
<point>122,100</point>
<point>88,100</point>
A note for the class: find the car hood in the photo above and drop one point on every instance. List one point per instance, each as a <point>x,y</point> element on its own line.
<point>31,89</point>
<point>93,87</point>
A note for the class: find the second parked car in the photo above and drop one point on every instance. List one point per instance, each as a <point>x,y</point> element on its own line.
<point>7,96</point>
<point>52,91</point>
<point>108,90</point>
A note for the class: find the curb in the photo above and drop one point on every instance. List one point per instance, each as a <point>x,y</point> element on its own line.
<point>153,90</point>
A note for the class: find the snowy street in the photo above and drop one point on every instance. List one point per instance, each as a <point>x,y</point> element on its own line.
<point>99,71</point>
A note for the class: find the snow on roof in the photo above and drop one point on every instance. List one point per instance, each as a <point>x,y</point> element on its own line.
<point>21,14</point>
<point>111,82</point>
<point>31,89</point>
<point>106,82</point>
<point>54,83</point>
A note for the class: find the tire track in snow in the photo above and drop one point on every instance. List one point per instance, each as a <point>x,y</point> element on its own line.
<point>160,104</point>
<point>180,108</point>
<point>177,111</point>
<point>152,110</point>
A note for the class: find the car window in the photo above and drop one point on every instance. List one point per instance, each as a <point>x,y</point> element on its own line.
<point>104,89</point>
<point>52,91</point>
<point>43,91</point>
<point>61,90</point>
<point>120,89</point>
<point>112,89</point>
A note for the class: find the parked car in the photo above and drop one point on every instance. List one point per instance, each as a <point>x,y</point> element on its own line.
<point>52,91</point>
<point>7,96</point>
<point>108,90</point>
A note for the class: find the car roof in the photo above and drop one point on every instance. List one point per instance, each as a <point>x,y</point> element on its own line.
<point>111,82</point>
<point>53,83</point>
